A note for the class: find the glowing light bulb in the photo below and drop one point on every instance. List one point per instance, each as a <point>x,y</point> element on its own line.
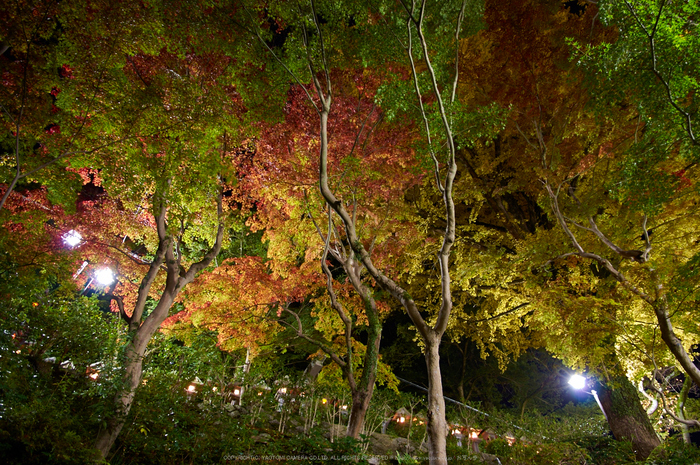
<point>72,238</point>
<point>577,381</point>
<point>104,276</point>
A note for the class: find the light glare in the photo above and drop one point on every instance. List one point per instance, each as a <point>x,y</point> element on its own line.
<point>577,382</point>
<point>72,238</point>
<point>104,276</point>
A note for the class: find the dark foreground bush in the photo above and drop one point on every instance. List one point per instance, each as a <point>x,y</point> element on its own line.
<point>675,452</point>
<point>600,450</point>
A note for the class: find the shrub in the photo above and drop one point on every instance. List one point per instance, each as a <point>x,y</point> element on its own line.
<point>675,452</point>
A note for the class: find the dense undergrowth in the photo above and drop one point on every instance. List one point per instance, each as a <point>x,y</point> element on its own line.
<point>60,364</point>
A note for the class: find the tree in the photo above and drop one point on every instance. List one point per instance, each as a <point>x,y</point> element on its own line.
<point>431,335</point>
<point>656,45</point>
<point>142,328</point>
<point>175,170</point>
<point>547,132</point>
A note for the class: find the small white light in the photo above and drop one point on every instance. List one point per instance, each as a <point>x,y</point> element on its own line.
<point>344,407</point>
<point>236,392</point>
<point>577,382</point>
<point>402,420</point>
<point>104,276</point>
<point>283,390</point>
<point>191,388</point>
<point>94,375</point>
<point>214,389</point>
<point>72,238</point>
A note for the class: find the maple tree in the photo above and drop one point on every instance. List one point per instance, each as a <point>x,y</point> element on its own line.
<point>541,128</point>
<point>176,103</point>
<point>461,204</point>
<point>657,45</point>
<point>655,166</point>
<point>318,61</point>
<point>584,183</point>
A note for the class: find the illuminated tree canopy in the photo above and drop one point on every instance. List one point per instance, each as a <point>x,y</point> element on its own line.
<point>518,177</point>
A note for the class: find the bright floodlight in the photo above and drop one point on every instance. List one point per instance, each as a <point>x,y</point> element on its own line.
<point>577,381</point>
<point>104,276</point>
<point>72,238</point>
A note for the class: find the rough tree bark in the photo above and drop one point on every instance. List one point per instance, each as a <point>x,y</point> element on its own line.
<point>626,417</point>
<point>142,329</point>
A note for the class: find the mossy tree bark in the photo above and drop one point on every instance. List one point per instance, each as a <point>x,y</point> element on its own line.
<point>626,417</point>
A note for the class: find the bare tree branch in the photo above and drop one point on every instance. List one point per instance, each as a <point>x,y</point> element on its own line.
<point>653,387</point>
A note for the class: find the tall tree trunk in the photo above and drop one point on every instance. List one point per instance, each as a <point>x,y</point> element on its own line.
<point>437,424</point>
<point>358,412</point>
<point>444,177</point>
<point>133,369</point>
<point>627,418</point>
<point>362,394</point>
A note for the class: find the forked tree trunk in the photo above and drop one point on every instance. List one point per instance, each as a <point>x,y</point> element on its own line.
<point>626,417</point>
<point>431,335</point>
<point>142,329</point>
